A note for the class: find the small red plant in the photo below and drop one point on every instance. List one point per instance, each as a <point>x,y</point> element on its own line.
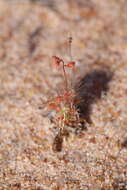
<point>63,105</point>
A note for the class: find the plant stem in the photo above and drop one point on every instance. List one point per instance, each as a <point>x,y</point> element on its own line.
<point>70,51</point>
<point>65,77</point>
<point>71,58</point>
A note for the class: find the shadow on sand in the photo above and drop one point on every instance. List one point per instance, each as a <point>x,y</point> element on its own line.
<point>90,89</point>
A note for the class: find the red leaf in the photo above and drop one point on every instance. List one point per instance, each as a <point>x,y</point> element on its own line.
<point>59,99</point>
<point>53,106</point>
<point>56,60</point>
<point>70,64</point>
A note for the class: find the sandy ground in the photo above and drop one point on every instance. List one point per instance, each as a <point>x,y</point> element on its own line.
<point>30,33</point>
